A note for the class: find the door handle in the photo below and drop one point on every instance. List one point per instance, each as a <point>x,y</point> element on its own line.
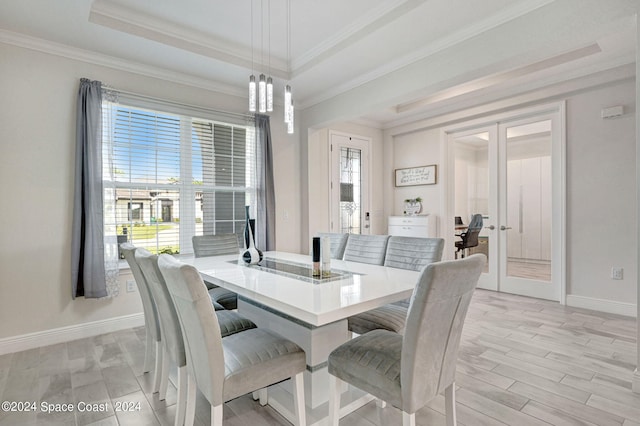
<point>503,228</point>
<point>491,227</point>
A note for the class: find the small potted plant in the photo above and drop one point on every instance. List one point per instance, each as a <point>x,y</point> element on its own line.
<point>412,206</point>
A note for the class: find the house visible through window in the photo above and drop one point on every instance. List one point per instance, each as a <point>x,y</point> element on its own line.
<point>135,211</point>
<point>176,176</point>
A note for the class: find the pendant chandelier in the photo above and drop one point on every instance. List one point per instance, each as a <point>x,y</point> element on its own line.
<point>261,97</point>
<point>261,94</point>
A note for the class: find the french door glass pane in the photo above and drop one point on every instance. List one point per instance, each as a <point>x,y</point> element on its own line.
<point>528,201</point>
<point>472,187</point>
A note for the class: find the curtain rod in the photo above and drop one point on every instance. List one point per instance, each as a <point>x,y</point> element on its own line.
<point>245,116</point>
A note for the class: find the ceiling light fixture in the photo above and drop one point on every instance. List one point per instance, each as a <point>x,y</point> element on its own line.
<point>252,78</point>
<point>261,97</point>
<point>288,99</point>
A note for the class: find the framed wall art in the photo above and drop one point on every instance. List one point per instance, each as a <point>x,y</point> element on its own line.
<point>423,175</point>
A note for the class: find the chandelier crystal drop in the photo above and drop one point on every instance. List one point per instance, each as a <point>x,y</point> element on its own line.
<point>262,93</point>
<point>290,122</point>
<point>269,94</point>
<point>288,98</point>
<point>252,93</point>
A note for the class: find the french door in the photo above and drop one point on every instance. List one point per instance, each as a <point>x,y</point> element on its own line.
<point>511,172</point>
<point>349,184</point>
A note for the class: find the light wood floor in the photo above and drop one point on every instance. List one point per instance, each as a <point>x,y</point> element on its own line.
<point>522,362</point>
<point>531,270</point>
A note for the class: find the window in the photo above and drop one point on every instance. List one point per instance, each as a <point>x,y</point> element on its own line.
<point>175,176</point>
<point>135,211</point>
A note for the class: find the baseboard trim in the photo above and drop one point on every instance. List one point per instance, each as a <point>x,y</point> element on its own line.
<point>67,334</point>
<point>602,305</point>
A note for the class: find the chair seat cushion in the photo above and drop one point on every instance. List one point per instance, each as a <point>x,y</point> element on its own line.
<point>226,298</point>
<point>387,317</point>
<point>371,362</point>
<point>257,358</point>
<point>231,323</point>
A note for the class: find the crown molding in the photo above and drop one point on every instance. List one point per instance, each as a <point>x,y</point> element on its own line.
<point>65,51</point>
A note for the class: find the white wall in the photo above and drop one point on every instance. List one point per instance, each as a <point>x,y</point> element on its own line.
<point>601,216</point>
<point>601,200</point>
<point>413,150</point>
<point>37,140</point>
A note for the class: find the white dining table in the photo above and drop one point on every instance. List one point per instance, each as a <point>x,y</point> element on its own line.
<point>280,294</point>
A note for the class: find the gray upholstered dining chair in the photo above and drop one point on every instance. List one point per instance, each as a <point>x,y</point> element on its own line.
<point>366,248</point>
<point>411,253</point>
<point>217,245</point>
<point>409,370</point>
<point>172,341</point>
<point>151,321</point>
<point>224,369</point>
<point>172,345</point>
<point>338,243</point>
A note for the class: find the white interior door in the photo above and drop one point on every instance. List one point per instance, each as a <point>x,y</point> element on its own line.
<point>527,260</point>
<point>349,184</point>
<point>511,172</point>
<point>475,171</point>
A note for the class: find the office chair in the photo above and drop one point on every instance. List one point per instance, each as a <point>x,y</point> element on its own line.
<point>470,236</point>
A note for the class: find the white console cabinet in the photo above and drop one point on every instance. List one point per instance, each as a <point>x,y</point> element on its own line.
<point>413,226</point>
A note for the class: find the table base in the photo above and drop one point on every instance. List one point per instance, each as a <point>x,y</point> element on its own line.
<point>317,342</point>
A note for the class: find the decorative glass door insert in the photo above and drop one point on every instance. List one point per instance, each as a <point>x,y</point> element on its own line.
<point>350,190</point>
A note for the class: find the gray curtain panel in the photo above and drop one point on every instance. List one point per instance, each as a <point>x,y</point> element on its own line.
<point>87,240</point>
<point>266,212</point>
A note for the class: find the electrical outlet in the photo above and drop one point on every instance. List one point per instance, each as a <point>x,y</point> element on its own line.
<point>616,273</point>
<point>131,286</point>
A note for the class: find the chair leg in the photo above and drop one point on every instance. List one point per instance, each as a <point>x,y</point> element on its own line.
<point>216,415</point>
<point>450,404</point>
<point>181,400</point>
<point>263,395</point>
<point>157,373</point>
<point>408,419</point>
<point>147,351</point>
<point>255,395</point>
<point>335,388</point>
<point>298,399</point>
<point>164,375</point>
<point>190,414</point>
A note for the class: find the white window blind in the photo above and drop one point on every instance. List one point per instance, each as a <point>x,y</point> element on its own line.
<point>176,176</point>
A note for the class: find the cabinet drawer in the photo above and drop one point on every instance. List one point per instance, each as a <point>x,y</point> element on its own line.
<point>408,231</point>
<point>408,220</point>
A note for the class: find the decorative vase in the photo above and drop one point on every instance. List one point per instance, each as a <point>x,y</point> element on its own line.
<point>251,254</point>
<point>412,207</point>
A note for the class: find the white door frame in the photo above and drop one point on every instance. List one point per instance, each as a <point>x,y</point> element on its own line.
<point>558,238</point>
<point>334,203</point>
